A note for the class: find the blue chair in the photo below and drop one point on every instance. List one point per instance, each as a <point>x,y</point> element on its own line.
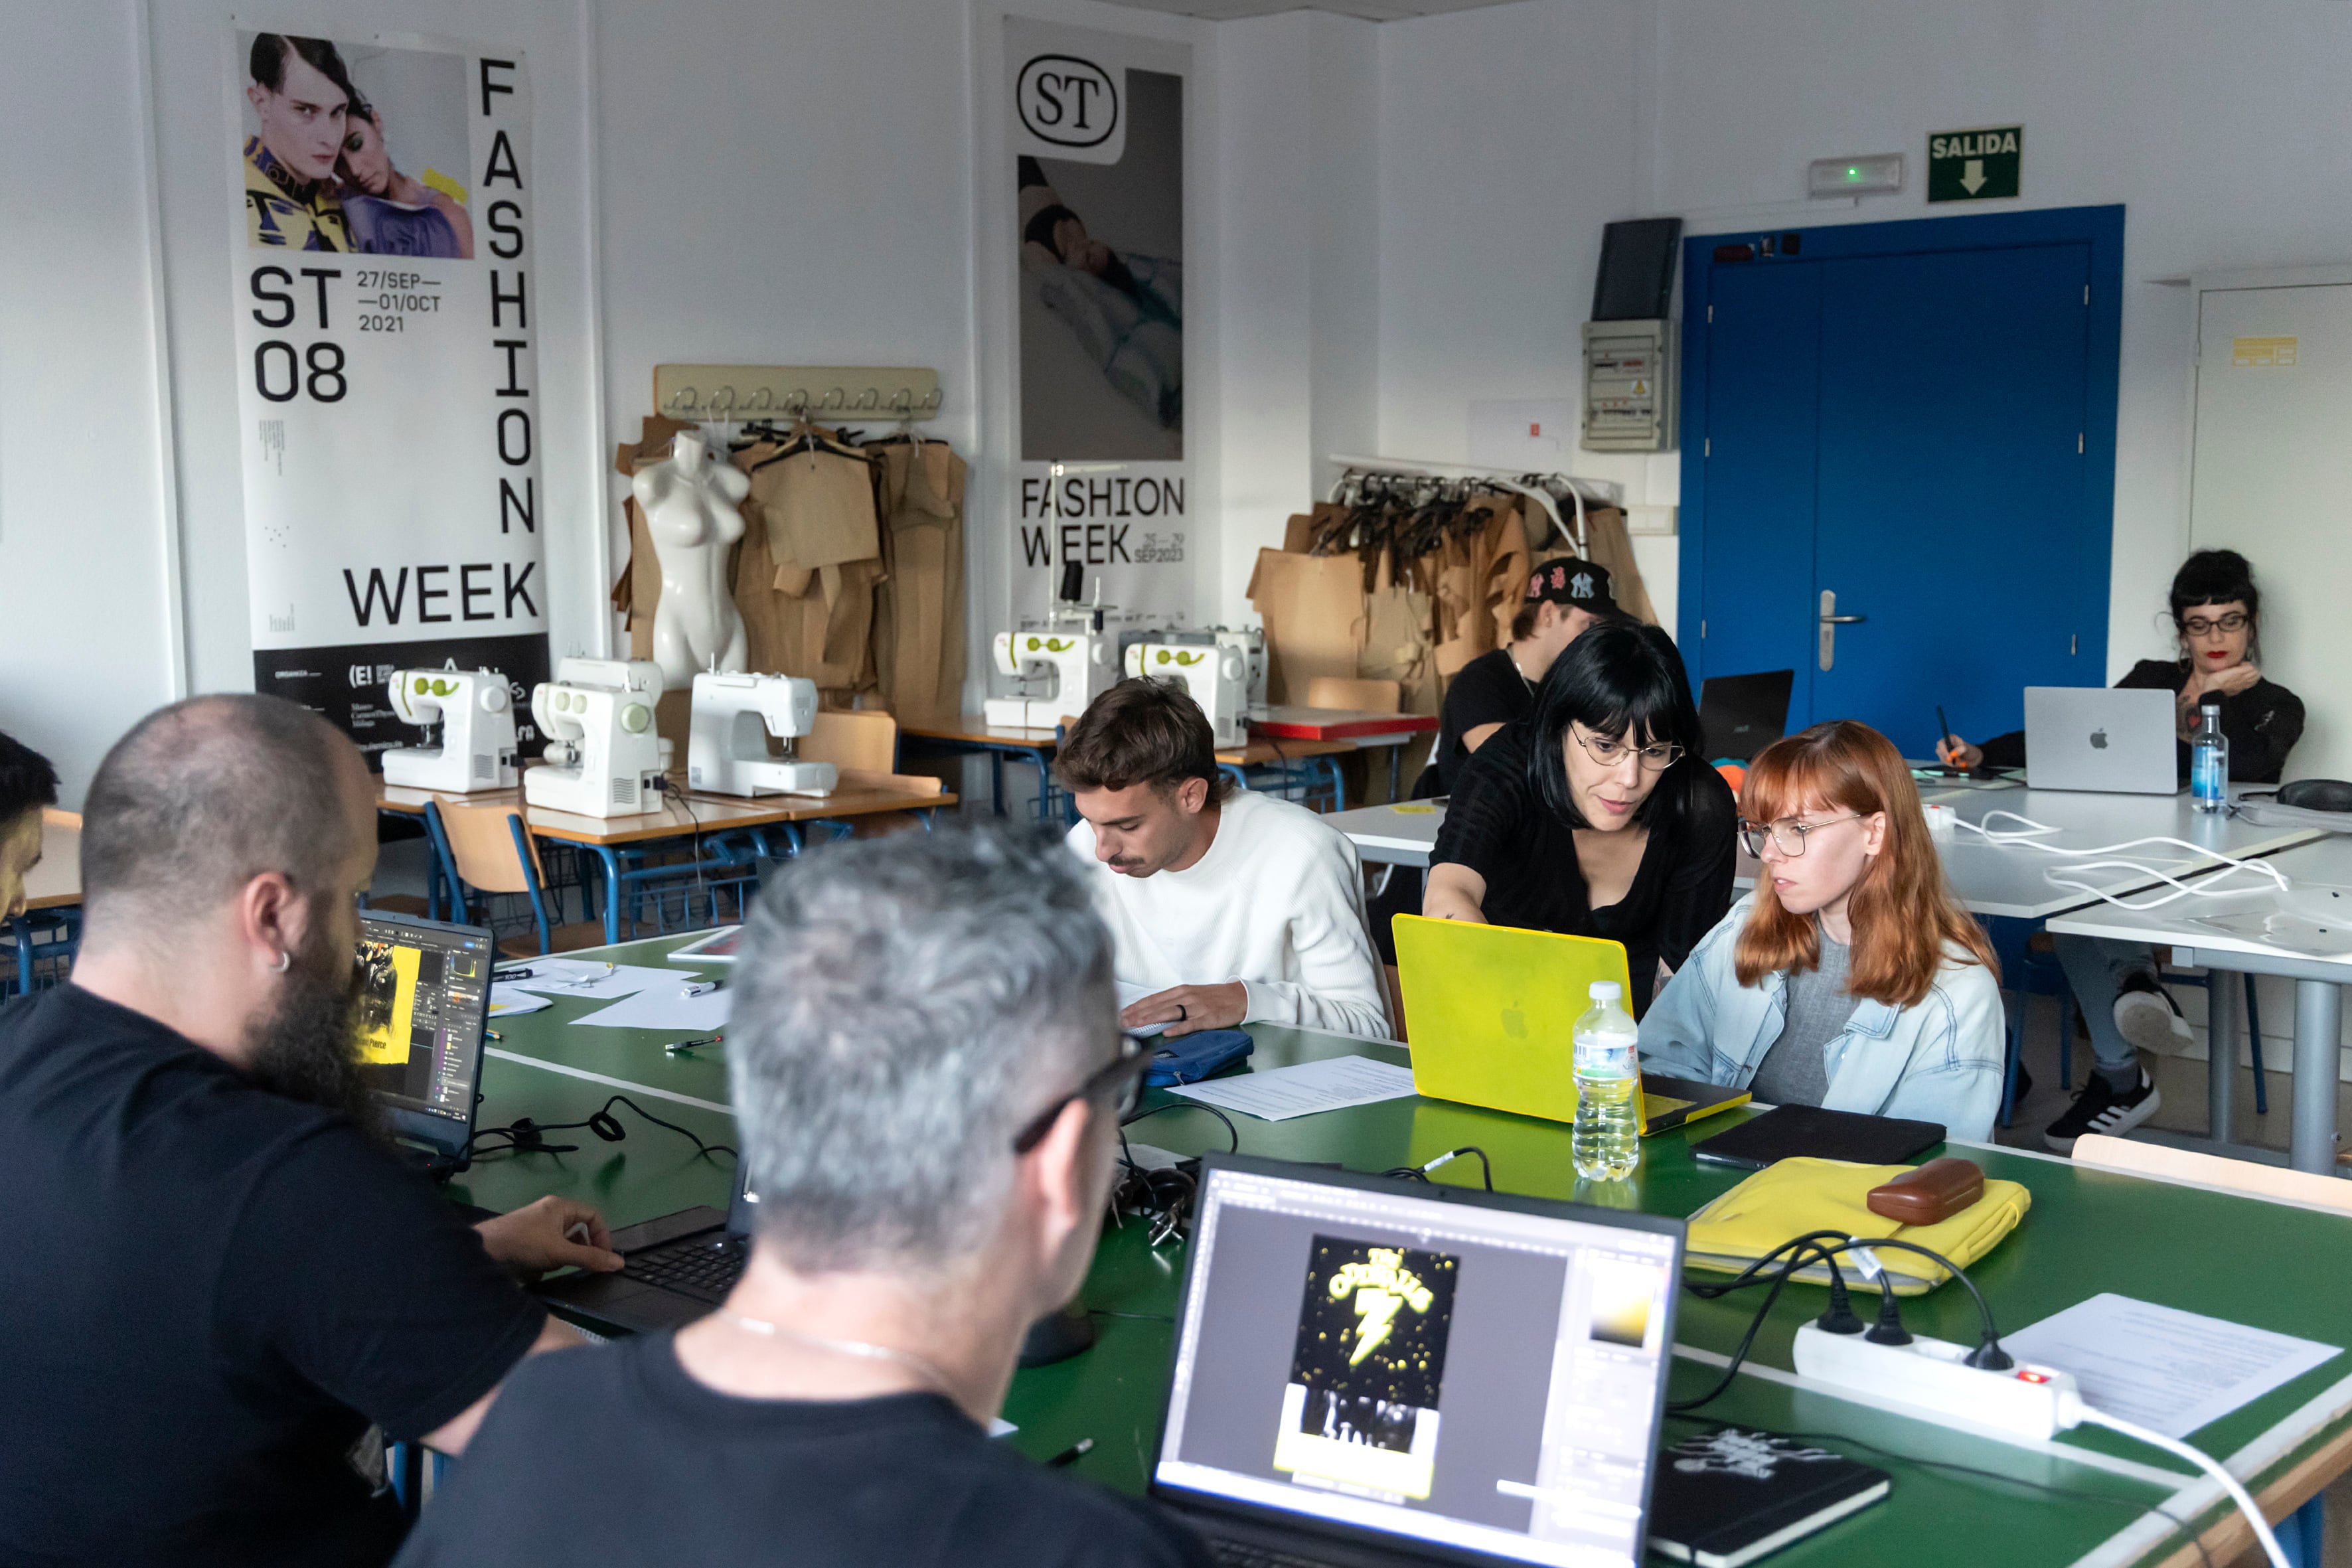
<point>490,851</point>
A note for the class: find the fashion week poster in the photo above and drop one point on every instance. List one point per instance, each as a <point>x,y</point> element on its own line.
<point>388,390</point>
<point>1096,183</point>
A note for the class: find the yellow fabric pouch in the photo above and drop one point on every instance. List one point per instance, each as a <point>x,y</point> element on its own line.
<point>1789,1197</point>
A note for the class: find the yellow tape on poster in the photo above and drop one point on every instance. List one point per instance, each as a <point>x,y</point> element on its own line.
<point>389,1006</point>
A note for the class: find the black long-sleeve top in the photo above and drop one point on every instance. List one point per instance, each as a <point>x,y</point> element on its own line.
<point>1497,825</point>
<point>2262,723</point>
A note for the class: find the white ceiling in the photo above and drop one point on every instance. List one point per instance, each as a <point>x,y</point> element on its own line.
<point>1368,10</point>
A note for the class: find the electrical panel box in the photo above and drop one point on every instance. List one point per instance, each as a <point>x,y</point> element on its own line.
<point>1628,386</point>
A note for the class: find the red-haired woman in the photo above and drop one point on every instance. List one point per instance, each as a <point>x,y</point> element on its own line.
<point>1849,978</point>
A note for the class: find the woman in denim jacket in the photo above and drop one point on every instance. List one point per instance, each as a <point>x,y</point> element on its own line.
<point>1851,977</point>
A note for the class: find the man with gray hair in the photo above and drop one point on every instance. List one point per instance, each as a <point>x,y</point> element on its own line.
<point>927,1075</point>
<point>216,1275</point>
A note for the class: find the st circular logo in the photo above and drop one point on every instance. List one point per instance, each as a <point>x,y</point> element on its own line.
<point>1066,100</point>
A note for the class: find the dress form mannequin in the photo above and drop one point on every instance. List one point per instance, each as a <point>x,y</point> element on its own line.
<point>689,503</point>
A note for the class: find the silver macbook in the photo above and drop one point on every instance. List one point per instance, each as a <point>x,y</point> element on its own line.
<point>1369,1372</point>
<point>2098,738</point>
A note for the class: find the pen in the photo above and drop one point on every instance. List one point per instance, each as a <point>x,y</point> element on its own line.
<point>1071,1455</point>
<point>678,1045</point>
<point>516,974</point>
<point>492,1035</point>
<point>699,987</point>
<point>1943,733</point>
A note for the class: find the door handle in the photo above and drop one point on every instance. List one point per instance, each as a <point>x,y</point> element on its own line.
<point>1830,622</point>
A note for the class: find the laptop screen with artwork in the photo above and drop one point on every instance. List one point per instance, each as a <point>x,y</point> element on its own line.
<point>1480,1373</point>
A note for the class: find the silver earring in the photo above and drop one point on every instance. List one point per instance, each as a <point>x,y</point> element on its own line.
<point>285,962</point>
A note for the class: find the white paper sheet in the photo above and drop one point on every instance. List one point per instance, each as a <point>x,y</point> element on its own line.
<point>2166,1369</point>
<point>666,1007</point>
<point>573,978</point>
<point>1331,1084</point>
<point>508,1001</point>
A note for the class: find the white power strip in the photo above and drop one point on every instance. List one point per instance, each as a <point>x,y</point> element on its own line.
<point>1933,1377</point>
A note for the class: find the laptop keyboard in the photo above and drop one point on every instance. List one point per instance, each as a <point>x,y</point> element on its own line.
<point>1235,1555</point>
<point>702,1267</point>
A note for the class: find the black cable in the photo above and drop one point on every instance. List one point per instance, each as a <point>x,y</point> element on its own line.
<point>1421,1173</point>
<point>1231,1133</point>
<point>1956,1468</point>
<point>1754,1324</point>
<point>1138,1317</point>
<point>524,1136</point>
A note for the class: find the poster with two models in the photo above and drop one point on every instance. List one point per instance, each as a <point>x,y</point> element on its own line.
<point>388,389</point>
<point>1097,134</point>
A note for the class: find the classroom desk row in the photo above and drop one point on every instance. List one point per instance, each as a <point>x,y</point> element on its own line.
<point>1286,734</point>
<point>683,813</point>
<point>1959,1498</point>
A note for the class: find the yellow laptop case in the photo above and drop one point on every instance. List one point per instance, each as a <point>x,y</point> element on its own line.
<point>1492,1012</point>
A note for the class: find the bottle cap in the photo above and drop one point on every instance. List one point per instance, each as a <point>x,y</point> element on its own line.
<point>1607,990</point>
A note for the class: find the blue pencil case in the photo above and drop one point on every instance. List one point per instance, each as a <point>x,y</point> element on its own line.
<point>1188,1058</point>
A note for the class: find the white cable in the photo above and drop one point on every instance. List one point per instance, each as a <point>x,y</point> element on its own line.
<point>2085,1414</point>
<point>2212,886</point>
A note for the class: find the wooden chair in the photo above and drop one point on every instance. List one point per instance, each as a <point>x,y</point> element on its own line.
<point>862,743</point>
<point>2241,1176</point>
<point>493,852</point>
<point>1355,696</point>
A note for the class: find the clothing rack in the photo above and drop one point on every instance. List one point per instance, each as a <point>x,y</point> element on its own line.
<point>734,392</point>
<point>1547,490</point>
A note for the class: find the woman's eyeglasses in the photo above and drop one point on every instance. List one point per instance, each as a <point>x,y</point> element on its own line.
<point>2205,627</point>
<point>1124,1074</point>
<point>1788,835</point>
<point>1654,759</point>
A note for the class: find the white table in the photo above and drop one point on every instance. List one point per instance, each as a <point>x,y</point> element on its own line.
<point>2314,868</point>
<point>2010,879</point>
<point>1399,835</point>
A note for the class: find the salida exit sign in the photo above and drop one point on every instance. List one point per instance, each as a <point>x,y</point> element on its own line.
<point>1974,166</point>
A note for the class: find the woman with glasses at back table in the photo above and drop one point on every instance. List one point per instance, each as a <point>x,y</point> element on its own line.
<point>2217,615</point>
<point>1594,815</point>
<point>1851,978</point>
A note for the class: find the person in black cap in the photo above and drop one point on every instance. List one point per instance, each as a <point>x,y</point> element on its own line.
<point>1562,598</point>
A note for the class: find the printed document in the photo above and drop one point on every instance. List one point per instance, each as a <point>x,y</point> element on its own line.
<point>1331,1084</point>
<point>2166,1369</point>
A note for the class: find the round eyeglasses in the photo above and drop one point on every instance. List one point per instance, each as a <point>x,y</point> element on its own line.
<point>1788,835</point>
<point>1608,752</point>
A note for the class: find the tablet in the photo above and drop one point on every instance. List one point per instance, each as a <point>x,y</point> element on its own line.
<point>1790,1130</point>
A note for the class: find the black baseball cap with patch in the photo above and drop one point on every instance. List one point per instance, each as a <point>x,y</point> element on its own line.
<point>1572,584</point>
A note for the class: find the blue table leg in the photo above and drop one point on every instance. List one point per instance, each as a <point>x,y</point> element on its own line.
<point>612,890</point>
<point>996,779</point>
<point>24,935</point>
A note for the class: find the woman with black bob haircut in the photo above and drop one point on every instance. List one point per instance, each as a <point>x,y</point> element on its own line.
<point>1595,816</point>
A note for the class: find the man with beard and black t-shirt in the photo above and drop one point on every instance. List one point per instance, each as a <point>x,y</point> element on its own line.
<point>219,1280</point>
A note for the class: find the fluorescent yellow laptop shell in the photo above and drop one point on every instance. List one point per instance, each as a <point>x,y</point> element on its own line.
<point>1492,1012</point>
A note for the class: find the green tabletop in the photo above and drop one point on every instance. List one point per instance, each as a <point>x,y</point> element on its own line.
<point>2269,1265</point>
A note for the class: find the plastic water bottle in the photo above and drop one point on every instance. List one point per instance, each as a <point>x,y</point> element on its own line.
<point>1607,1140</point>
<point>2209,761</point>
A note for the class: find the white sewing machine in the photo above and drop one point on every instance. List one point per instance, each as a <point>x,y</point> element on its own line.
<point>603,758</point>
<point>1250,642</point>
<point>478,730</point>
<point>725,751</point>
<point>1216,674</point>
<point>1075,659</point>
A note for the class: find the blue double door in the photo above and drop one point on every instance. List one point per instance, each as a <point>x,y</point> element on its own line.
<point>1904,474</point>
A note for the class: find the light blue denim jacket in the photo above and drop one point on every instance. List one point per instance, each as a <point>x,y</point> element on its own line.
<point>1940,1061</point>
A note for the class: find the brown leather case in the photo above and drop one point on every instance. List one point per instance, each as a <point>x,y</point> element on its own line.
<point>1936,1190</point>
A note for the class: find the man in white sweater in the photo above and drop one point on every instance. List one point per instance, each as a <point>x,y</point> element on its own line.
<point>1229,908</point>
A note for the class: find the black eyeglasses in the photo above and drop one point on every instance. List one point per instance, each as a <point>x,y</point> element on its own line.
<point>1124,1074</point>
<point>1608,753</point>
<point>2201,625</point>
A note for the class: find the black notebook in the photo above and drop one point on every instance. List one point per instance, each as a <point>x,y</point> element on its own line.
<point>1788,1131</point>
<point>1727,1498</point>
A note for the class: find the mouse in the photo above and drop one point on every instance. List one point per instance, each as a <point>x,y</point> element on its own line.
<point>2317,794</point>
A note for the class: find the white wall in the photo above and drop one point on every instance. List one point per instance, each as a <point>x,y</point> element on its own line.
<point>87,637</point>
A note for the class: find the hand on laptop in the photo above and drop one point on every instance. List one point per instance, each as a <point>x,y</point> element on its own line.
<point>1185,1008</point>
<point>544,1235</point>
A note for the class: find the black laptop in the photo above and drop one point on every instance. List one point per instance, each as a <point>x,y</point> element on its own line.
<point>1372,1373</point>
<point>1742,715</point>
<point>425,994</point>
<point>674,1269</point>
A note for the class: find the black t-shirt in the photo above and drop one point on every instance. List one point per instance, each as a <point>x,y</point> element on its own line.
<point>614,1455</point>
<point>210,1291</point>
<point>1489,690</point>
<point>2262,723</point>
<point>1499,826</point>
